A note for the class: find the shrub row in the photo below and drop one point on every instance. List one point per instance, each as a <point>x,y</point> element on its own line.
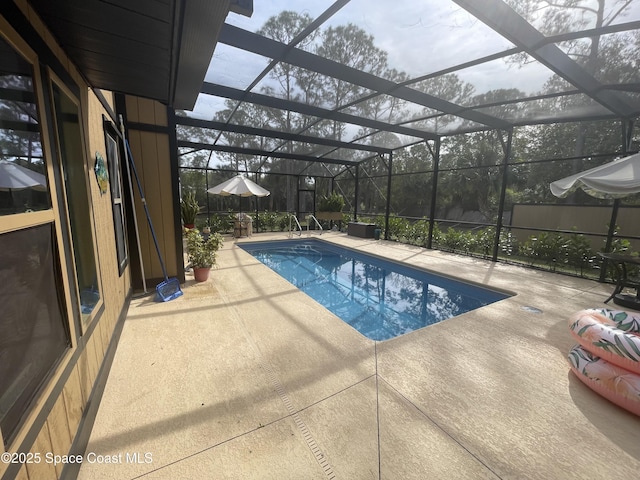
<point>566,253</point>
<point>265,221</point>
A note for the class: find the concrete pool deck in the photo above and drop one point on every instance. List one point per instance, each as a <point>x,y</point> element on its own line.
<point>247,377</point>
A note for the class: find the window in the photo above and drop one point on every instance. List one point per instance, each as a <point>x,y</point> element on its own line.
<point>33,336</point>
<point>113,159</point>
<point>34,323</point>
<point>23,184</point>
<point>75,174</point>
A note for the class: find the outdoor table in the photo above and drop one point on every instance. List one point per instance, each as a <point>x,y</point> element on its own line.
<point>621,263</point>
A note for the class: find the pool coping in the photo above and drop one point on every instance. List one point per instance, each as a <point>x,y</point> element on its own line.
<point>401,268</point>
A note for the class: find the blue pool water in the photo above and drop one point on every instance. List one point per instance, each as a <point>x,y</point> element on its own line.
<point>381,299</point>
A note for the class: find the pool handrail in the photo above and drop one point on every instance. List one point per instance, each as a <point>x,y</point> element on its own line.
<point>292,215</point>
<point>317,223</point>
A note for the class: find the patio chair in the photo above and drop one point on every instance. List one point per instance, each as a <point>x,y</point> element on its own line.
<point>243,225</point>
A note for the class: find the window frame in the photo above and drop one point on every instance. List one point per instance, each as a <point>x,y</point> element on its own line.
<point>72,276</point>
<point>51,217</point>
<point>117,201</point>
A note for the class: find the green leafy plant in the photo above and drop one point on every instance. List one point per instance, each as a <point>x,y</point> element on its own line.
<point>454,240</point>
<point>201,251</point>
<point>436,236</point>
<point>483,242</point>
<point>622,246</point>
<point>331,203</point>
<point>579,253</point>
<point>270,220</point>
<point>283,221</point>
<point>546,248</point>
<point>398,228</point>
<point>508,244</point>
<point>189,208</point>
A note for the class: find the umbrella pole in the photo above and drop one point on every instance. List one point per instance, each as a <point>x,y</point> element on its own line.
<point>610,234</point>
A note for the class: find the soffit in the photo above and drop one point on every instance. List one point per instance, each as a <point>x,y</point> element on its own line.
<point>158,49</point>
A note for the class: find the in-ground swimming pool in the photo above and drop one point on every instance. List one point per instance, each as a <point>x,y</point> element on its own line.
<point>379,298</point>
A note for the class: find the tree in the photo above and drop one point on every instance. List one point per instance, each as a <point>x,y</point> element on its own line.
<point>599,56</point>
<point>447,87</point>
<point>294,83</point>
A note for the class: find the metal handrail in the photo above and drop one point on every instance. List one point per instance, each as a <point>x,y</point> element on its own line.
<point>317,223</point>
<point>291,215</point>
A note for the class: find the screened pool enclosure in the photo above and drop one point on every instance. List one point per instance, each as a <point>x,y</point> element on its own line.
<point>443,122</point>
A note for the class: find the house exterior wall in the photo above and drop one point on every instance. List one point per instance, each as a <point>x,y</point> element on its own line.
<point>59,418</point>
<point>150,133</point>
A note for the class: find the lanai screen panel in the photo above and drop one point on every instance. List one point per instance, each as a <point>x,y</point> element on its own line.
<point>234,67</point>
<point>410,38</point>
<point>391,74</point>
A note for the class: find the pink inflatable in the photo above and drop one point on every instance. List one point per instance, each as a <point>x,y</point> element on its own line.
<point>612,382</point>
<point>613,335</point>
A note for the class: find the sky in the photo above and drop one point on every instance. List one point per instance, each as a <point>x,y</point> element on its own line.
<point>421,37</point>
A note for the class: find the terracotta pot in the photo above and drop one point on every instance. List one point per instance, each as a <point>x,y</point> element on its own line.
<point>190,226</point>
<point>201,274</point>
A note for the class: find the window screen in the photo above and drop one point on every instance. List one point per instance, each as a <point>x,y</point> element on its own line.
<point>75,177</point>
<point>33,333</point>
<point>113,158</point>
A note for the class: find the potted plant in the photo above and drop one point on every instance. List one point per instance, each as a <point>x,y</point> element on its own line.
<point>201,252</point>
<point>204,226</point>
<point>330,207</point>
<point>189,209</point>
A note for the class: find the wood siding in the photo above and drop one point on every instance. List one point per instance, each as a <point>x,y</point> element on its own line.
<point>54,421</point>
<point>151,154</point>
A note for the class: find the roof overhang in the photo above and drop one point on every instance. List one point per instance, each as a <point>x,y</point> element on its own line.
<point>158,50</point>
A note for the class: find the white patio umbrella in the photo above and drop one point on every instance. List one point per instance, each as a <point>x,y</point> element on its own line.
<point>16,177</point>
<point>611,180</point>
<point>241,186</point>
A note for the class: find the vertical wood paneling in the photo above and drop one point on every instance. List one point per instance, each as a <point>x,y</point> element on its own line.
<point>59,431</point>
<point>146,111</point>
<point>105,336</point>
<point>131,104</point>
<point>95,346</point>
<point>152,157</point>
<point>42,470</point>
<point>84,376</point>
<point>167,202</point>
<point>160,114</point>
<point>153,191</point>
<point>115,287</point>
<point>60,428</point>
<point>73,402</point>
<point>22,473</point>
<point>149,256</point>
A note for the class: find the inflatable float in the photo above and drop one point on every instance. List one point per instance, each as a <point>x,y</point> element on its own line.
<point>608,357</point>
<point>612,382</point>
<point>613,335</point>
